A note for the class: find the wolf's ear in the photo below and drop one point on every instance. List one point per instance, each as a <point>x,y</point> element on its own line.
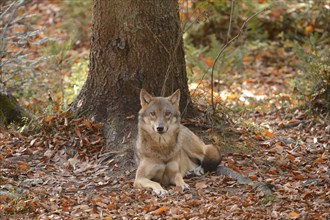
<point>145,98</point>
<point>175,98</point>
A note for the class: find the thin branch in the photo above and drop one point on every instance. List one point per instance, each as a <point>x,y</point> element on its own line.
<point>228,36</point>
<point>226,45</point>
<point>230,19</point>
<point>12,16</point>
<point>192,94</point>
<point>157,38</point>
<point>10,9</point>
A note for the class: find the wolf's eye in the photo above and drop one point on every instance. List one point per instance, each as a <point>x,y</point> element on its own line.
<point>168,114</point>
<point>152,114</point>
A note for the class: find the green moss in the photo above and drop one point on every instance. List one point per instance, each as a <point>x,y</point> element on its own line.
<point>267,199</point>
<point>6,107</point>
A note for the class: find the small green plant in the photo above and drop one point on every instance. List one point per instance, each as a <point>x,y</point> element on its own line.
<point>267,199</point>
<point>77,20</point>
<point>313,82</point>
<point>74,82</point>
<point>200,60</point>
<point>59,64</point>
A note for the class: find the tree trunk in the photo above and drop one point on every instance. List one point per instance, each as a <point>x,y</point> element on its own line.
<point>135,44</point>
<point>10,110</point>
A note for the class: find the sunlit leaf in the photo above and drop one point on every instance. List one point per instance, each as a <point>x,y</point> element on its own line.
<point>293,215</point>
<point>22,166</point>
<point>77,131</point>
<point>48,118</point>
<point>309,29</point>
<point>88,124</point>
<point>161,210</point>
<point>268,134</point>
<point>201,185</point>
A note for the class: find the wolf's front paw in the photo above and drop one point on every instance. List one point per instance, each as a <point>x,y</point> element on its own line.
<point>161,192</point>
<point>185,186</point>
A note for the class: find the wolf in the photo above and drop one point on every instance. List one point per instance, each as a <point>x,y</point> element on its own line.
<point>167,151</point>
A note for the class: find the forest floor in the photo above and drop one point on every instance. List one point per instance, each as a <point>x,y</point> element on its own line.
<point>62,171</point>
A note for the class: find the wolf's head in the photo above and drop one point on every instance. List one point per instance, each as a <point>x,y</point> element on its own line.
<point>159,114</point>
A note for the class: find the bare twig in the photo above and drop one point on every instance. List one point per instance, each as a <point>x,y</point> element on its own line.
<point>230,19</point>
<point>12,16</point>
<point>228,36</point>
<point>11,10</point>
<point>226,45</point>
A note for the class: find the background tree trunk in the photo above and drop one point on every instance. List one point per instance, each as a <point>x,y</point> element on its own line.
<point>10,110</point>
<point>135,44</point>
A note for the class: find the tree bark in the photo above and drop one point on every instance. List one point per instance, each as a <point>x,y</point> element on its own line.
<point>135,44</point>
<point>10,110</point>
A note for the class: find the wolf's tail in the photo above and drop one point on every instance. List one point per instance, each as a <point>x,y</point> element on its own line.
<point>212,158</point>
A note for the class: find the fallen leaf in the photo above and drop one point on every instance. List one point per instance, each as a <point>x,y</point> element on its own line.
<point>77,130</point>
<point>88,124</point>
<point>33,141</point>
<point>290,156</point>
<point>48,118</point>
<point>201,185</point>
<point>299,177</point>
<point>161,210</point>
<point>193,203</point>
<point>258,138</point>
<point>293,215</point>
<point>309,29</point>
<point>22,166</point>
<point>49,153</point>
<point>234,167</point>
<point>253,177</point>
<point>319,160</point>
<point>277,149</point>
<point>98,126</point>
<point>268,134</point>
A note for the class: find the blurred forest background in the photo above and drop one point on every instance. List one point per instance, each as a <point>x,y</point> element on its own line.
<point>260,66</point>
<point>45,48</point>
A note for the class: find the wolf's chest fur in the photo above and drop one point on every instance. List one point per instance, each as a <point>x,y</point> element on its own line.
<point>160,146</point>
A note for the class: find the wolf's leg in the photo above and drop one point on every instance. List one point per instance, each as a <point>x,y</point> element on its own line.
<point>147,171</point>
<point>180,182</point>
<point>175,176</point>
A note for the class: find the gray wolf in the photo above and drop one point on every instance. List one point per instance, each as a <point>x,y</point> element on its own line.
<point>165,149</point>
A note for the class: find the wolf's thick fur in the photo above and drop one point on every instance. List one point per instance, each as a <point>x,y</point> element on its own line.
<point>165,149</point>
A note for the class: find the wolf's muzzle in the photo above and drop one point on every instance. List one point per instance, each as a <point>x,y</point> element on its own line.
<point>160,129</point>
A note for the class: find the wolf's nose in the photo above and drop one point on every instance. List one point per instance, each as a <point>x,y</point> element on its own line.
<point>160,128</point>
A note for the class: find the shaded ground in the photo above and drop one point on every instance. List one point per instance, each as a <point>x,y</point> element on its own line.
<point>63,172</point>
